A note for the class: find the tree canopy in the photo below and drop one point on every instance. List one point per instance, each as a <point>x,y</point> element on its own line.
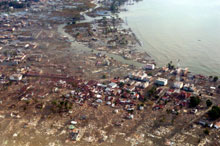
<point>214,113</point>
<point>194,101</point>
<point>215,79</point>
<point>208,103</point>
<point>170,65</point>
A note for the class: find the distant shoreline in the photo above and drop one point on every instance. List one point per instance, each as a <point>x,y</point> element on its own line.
<point>164,49</point>
<point>120,57</point>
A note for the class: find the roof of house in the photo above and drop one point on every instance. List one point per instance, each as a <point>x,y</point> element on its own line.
<point>217,124</point>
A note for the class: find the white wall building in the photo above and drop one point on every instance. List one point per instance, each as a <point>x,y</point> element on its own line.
<point>149,67</point>
<point>112,85</point>
<point>161,82</point>
<point>178,85</point>
<point>16,77</point>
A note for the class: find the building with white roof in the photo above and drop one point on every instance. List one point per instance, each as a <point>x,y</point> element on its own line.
<point>16,77</point>
<point>112,85</point>
<point>149,67</point>
<point>178,85</point>
<point>161,82</point>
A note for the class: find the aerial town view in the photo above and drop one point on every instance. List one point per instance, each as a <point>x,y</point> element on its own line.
<point>94,73</point>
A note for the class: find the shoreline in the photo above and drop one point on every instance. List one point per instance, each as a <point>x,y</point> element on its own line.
<point>141,55</point>
<point>164,49</point>
<point>83,47</point>
<point>67,89</point>
<point>121,58</point>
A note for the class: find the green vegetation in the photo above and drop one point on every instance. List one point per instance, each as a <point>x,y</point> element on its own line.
<point>54,103</point>
<point>170,65</point>
<point>152,91</point>
<point>77,34</point>
<point>121,84</point>
<point>214,113</point>
<point>103,76</point>
<point>215,79</point>
<point>194,101</point>
<point>150,74</point>
<point>61,105</point>
<point>151,94</point>
<point>115,5</point>
<point>208,103</point>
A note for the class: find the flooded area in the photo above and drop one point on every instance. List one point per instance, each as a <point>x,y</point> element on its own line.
<point>74,73</point>
<point>79,47</point>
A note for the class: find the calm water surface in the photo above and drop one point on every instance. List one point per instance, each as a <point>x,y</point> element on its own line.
<point>188,30</point>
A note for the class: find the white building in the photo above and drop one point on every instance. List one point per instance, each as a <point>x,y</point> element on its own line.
<point>178,85</point>
<point>16,77</point>
<point>161,82</point>
<point>145,85</point>
<point>112,85</point>
<point>149,67</point>
<point>139,76</point>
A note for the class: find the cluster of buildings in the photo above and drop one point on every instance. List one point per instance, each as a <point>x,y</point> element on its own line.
<point>115,94</point>
<point>180,99</point>
<point>140,76</point>
<point>119,93</point>
<point>128,92</point>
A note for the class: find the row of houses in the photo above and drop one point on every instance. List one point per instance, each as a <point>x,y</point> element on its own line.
<point>140,76</point>
<point>205,123</point>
